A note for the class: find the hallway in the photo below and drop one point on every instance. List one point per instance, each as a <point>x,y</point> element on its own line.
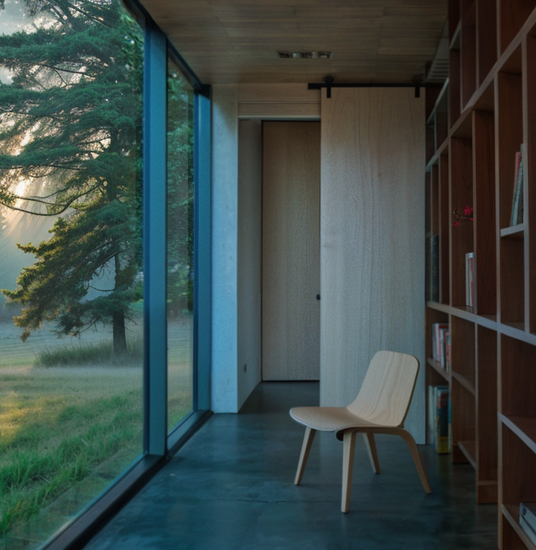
<point>231,488</point>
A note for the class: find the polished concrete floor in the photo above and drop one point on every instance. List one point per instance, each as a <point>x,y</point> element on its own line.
<point>231,488</point>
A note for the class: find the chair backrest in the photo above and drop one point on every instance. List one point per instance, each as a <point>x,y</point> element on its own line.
<point>387,389</point>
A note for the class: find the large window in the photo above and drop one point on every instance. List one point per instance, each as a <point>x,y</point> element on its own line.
<point>180,244</point>
<point>105,269</point>
<point>71,248</point>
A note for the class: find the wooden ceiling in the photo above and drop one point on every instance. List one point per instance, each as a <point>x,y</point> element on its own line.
<point>237,41</point>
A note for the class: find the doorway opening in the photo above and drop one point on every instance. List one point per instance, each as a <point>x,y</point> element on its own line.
<point>290,250</point>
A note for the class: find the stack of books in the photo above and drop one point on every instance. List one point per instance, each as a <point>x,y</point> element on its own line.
<point>439,418</point>
<point>441,344</point>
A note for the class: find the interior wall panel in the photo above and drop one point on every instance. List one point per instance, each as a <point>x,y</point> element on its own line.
<point>372,237</point>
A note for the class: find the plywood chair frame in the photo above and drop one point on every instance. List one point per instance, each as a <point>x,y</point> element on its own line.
<point>389,384</point>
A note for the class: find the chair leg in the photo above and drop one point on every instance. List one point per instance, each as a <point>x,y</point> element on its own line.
<point>347,464</point>
<point>408,438</point>
<point>370,444</point>
<point>304,454</point>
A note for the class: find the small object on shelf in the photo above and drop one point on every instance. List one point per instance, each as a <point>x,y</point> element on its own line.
<point>517,200</point>
<point>527,519</point>
<point>469,280</point>
<point>459,218</point>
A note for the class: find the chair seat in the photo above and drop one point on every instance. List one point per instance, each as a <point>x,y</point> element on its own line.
<point>329,419</point>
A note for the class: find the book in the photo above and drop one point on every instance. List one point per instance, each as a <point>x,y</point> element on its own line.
<point>433,431</point>
<point>438,343</point>
<point>517,199</point>
<point>450,425</point>
<point>447,351</point>
<point>521,188</point>
<point>431,414</point>
<point>443,335</point>
<point>469,280</point>
<point>434,268</point>
<point>441,438</point>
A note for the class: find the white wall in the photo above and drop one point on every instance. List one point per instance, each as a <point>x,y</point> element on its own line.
<point>225,248</point>
<point>236,261</point>
<point>372,238</point>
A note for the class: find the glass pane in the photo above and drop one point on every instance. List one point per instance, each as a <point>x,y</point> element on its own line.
<point>71,357</point>
<point>180,245</point>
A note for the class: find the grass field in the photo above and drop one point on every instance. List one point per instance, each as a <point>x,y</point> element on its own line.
<point>67,431</point>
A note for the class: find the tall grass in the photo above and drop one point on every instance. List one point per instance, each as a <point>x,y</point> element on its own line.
<point>66,433</point>
<point>41,460</point>
<point>101,353</point>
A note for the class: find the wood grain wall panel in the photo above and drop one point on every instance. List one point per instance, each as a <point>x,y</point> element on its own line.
<point>277,93</point>
<point>278,101</point>
<point>279,111</point>
<point>291,251</point>
<point>372,227</point>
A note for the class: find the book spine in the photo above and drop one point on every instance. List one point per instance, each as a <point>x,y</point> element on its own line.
<point>447,338</point>
<point>434,268</point>
<point>521,187</point>
<point>438,343</point>
<point>469,280</point>
<point>518,189</point>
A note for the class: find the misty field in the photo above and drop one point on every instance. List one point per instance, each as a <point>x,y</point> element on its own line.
<point>66,432</point>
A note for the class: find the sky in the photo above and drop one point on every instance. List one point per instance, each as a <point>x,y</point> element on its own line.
<point>11,16</point>
<point>10,22</point>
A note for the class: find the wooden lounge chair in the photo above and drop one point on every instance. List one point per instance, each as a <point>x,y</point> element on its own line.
<point>381,406</point>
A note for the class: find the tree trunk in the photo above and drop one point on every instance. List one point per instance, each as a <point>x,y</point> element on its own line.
<point>119,333</point>
<point>118,316</point>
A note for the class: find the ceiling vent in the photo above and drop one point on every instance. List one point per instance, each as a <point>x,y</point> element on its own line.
<point>305,55</point>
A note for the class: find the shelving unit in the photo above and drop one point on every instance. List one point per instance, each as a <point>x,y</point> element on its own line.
<point>485,113</point>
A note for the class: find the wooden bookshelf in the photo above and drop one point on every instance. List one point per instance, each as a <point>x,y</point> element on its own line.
<point>489,105</point>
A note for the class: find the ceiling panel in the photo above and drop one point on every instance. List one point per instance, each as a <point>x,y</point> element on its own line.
<point>227,41</point>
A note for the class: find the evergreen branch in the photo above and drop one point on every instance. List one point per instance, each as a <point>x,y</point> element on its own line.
<point>99,289</point>
<point>42,165</point>
<point>99,20</point>
<point>39,200</point>
<point>52,67</point>
<point>41,214</point>
<point>22,113</point>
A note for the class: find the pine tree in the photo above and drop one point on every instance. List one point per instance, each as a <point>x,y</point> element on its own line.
<point>70,128</point>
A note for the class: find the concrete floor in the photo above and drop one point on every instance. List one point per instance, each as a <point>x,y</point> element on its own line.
<point>231,488</point>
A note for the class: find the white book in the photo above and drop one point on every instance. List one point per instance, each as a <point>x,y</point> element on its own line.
<point>469,280</point>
